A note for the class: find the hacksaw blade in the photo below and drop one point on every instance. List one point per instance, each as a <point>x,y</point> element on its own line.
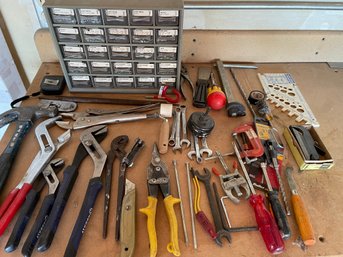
<point>282,90</point>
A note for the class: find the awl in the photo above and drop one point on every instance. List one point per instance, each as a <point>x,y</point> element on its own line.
<point>301,216</point>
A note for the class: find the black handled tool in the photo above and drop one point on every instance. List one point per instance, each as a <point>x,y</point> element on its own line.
<point>69,176</point>
<point>200,95</point>
<point>29,206</point>
<point>94,186</point>
<point>117,151</point>
<point>45,209</point>
<point>125,163</point>
<point>278,211</point>
<point>24,118</point>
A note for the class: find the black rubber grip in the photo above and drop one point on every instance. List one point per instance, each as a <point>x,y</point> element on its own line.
<point>93,189</point>
<point>69,176</point>
<point>199,99</point>
<point>24,217</point>
<point>279,214</point>
<point>235,109</point>
<point>37,227</point>
<point>10,152</point>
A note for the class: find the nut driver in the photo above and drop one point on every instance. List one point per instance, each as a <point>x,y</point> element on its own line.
<point>48,148</point>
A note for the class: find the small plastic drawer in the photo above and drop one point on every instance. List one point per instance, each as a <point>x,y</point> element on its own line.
<point>106,82</point>
<point>144,52</point>
<point>97,52</point>
<point>126,82</point>
<point>123,68</point>
<point>146,82</point>
<point>141,17</point>
<point>93,35</point>
<point>167,36</point>
<point>142,36</point>
<point>115,17</point>
<point>166,68</point>
<point>166,53</point>
<point>90,16</point>
<point>118,35</point>
<point>100,67</point>
<point>145,68</point>
<point>73,52</point>
<point>167,18</point>
<point>63,16</point>
<point>80,81</point>
<point>167,81</point>
<point>77,67</point>
<point>68,34</point>
<point>120,52</point>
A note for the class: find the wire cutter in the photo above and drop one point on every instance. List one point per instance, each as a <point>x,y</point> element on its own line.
<point>158,178</point>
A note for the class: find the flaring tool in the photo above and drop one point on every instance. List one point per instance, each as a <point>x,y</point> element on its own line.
<point>158,178</point>
<point>48,148</point>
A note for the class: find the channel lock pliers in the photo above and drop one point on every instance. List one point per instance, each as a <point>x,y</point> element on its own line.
<point>158,178</point>
<point>48,148</point>
<point>94,186</point>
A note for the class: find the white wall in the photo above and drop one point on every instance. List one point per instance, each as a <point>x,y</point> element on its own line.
<point>21,21</point>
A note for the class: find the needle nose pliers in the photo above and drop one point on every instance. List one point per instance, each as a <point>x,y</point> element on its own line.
<point>158,178</point>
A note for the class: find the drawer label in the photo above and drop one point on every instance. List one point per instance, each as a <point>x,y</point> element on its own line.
<point>89,12</point>
<point>168,32</point>
<point>145,50</point>
<point>142,13</point>
<point>70,31</point>
<point>167,80</point>
<point>103,80</point>
<point>116,13</point>
<point>74,49</point>
<point>168,65</point>
<point>124,80</point>
<point>145,66</point>
<point>100,64</point>
<point>77,64</point>
<point>149,80</point>
<point>166,49</point>
<point>143,32</point>
<point>93,31</point>
<point>80,78</point>
<point>97,49</point>
<point>118,31</point>
<point>168,13</point>
<point>121,49</point>
<point>62,11</point>
<point>121,65</point>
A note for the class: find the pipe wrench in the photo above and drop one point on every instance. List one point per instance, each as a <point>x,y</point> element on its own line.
<point>48,148</point>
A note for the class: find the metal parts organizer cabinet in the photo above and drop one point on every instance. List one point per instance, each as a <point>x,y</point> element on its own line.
<point>115,45</point>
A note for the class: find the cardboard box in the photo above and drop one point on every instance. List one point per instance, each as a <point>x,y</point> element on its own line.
<point>325,162</point>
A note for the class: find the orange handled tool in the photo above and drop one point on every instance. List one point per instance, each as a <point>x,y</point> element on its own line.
<point>301,216</point>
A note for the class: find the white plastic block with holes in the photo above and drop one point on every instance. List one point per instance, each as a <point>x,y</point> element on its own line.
<point>282,90</point>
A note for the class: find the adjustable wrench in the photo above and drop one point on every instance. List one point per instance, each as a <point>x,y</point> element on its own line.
<point>177,146</point>
<point>184,139</point>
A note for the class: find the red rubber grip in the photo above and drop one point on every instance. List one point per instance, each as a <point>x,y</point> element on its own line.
<point>8,201</point>
<point>206,224</point>
<point>14,207</point>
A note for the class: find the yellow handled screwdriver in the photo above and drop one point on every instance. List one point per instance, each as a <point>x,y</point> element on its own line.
<point>301,216</point>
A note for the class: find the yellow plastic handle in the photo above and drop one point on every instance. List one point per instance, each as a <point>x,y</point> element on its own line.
<point>173,246</point>
<point>303,220</point>
<point>150,212</point>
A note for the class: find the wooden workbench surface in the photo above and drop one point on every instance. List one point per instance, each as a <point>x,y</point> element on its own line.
<point>321,190</point>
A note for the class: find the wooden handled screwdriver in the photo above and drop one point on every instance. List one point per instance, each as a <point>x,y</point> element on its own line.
<point>301,216</point>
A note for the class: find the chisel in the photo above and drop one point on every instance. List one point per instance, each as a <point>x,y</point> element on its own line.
<point>301,216</point>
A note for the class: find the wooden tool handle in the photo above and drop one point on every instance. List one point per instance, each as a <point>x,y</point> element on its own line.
<point>303,220</point>
<point>164,137</point>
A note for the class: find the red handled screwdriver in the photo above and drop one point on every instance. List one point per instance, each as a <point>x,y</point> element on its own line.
<point>265,221</point>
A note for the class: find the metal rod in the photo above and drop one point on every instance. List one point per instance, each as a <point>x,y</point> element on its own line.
<point>266,5</point>
<point>191,206</point>
<point>225,211</point>
<point>181,203</point>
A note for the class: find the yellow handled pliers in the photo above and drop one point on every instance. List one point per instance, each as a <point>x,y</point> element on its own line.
<point>158,178</point>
